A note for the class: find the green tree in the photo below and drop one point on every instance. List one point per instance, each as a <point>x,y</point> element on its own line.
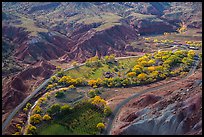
<point>54,109</point>
<point>92,93</point>
<point>59,94</point>
<point>65,109</point>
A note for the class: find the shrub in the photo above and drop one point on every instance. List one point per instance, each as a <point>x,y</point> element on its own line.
<point>28,105</point>
<point>25,109</point>
<point>116,69</point>
<point>60,74</point>
<point>46,117</point>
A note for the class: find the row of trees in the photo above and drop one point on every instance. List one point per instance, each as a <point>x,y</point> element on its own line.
<point>65,81</point>
<point>164,41</point>
<point>37,118</point>
<point>194,43</point>
<point>56,109</point>
<point>161,64</point>
<point>167,59</point>
<point>150,68</point>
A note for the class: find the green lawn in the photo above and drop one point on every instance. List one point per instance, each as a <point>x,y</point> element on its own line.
<point>82,121</point>
<point>86,72</point>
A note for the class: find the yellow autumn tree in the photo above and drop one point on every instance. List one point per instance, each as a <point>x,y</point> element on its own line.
<point>98,101</point>
<point>36,118</point>
<point>152,68</point>
<point>137,68</point>
<point>100,126</point>
<point>142,76</point>
<point>38,109</point>
<point>94,83</point>
<point>191,54</point>
<point>151,62</point>
<point>131,74</point>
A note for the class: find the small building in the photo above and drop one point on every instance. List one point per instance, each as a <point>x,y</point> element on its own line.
<point>194,48</point>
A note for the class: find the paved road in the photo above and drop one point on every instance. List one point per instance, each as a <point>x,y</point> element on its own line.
<point>20,106</point>
<point>118,107</point>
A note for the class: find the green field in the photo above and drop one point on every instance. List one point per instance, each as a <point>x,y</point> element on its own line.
<point>82,120</point>
<point>53,129</point>
<point>91,73</point>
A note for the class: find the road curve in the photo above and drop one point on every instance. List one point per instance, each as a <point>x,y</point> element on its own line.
<point>20,106</point>
<point>118,107</point>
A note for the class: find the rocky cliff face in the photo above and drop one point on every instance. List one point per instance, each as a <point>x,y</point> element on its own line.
<point>20,85</point>
<point>83,43</point>
<point>71,36</point>
<point>110,41</point>
<point>170,111</point>
<point>184,120</point>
